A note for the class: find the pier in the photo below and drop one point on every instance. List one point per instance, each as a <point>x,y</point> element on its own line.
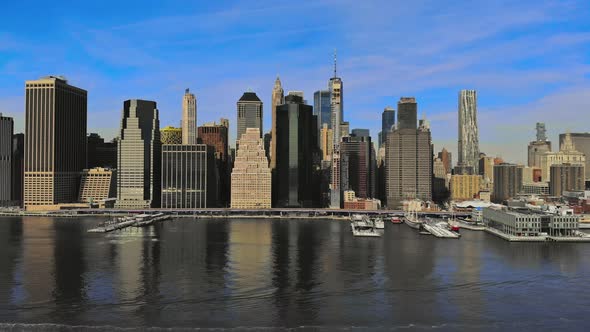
<point>440,232</point>
<point>131,221</point>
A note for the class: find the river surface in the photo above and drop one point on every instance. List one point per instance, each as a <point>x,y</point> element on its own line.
<point>283,274</point>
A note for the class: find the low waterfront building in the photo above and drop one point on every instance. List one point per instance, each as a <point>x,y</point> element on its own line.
<point>525,222</point>
<point>351,202</point>
<point>97,184</point>
<point>251,177</point>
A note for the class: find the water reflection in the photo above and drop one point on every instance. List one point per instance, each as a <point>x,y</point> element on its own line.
<point>258,273</point>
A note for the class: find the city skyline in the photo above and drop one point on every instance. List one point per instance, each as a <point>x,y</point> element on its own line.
<point>434,69</point>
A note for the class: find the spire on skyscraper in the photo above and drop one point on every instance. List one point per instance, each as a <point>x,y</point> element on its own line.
<point>335,63</point>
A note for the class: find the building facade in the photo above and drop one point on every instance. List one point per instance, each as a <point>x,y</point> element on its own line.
<point>18,168</point>
<point>409,159</point>
<point>292,178</point>
<point>189,118</point>
<point>407,113</point>
<point>139,155</point>
<point>98,184</point>
<point>101,153</point>
<point>185,178</point>
<point>277,98</point>
<point>567,155</point>
<point>566,177</point>
<point>171,135</point>
<point>6,162</point>
<point>249,113</point>
<point>581,142</point>
<point>486,169</point>
<point>326,142</point>
<point>387,123</point>
<point>468,146</point>
<point>465,187</point>
<point>360,166</point>
<point>216,136</point>
<point>507,181</point>
<point>321,108</point>
<point>55,141</point>
<point>524,222</point>
<point>447,159</point>
<point>251,176</point>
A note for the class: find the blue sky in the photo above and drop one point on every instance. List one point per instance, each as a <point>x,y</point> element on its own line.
<point>529,60</point>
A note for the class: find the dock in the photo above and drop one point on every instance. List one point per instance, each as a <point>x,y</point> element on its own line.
<point>439,231</point>
<point>141,220</point>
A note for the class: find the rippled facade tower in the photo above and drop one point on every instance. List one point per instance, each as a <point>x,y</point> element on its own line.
<point>189,118</point>
<point>468,132</point>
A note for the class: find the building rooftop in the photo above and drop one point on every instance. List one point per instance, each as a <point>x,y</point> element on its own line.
<point>249,96</point>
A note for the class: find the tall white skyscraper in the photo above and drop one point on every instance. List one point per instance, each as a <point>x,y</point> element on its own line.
<point>335,87</point>
<point>189,118</point>
<point>468,132</point>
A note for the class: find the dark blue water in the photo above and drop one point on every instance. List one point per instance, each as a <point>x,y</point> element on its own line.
<point>295,274</point>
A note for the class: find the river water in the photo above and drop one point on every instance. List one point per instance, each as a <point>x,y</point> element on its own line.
<point>283,274</point>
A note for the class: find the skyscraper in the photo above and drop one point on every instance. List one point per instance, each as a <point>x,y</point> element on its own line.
<point>185,176</point>
<point>55,141</point>
<point>278,97</point>
<point>447,159</point>
<point>189,118</point>
<point>139,156</point>
<point>335,87</point>
<point>292,178</point>
<point>468,132</point>
<point>216,136</point>
<point>97,184</point>
<point>581,141</point>
<point>18,167</point>
<point>358,132</point>
<point>538,147</point>
<point>360,164</point>
<point>407,113</point>
<point>321,108</point>
<point>251,176</point>
<point>409,159</point>
<point>101,153</point>
<point>249,113</point>
<point>566,177</point>
<point>6,130</point>
<point>387,123</point>
<point>567,154</point>
<point>326,142</point>
<point>507,181</point>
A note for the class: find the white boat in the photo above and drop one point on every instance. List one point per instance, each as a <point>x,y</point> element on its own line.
<point>411,219</point>
<point>358,230</point>
<point>362,225</point>
<point>378,222</point>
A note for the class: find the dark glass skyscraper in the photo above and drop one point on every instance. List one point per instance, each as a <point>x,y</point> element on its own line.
<point>185,176</point>
<point>101,153</point>
<point>292,177</point>
<point>407,113</point>
<point>6,129</point>
<point>387,122</point>
<point>249,113</point>
<point>18,171</point>
<point>359,161</point>
<point>321,108</point>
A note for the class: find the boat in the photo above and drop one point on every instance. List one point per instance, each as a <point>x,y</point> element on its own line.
<point>362,225</point>
<point>363,230</point>
<point>411,219</point>
<point>396,220</point>
<point>378,222</point>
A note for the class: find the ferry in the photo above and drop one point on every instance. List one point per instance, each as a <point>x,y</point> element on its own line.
<point>363,230</point>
